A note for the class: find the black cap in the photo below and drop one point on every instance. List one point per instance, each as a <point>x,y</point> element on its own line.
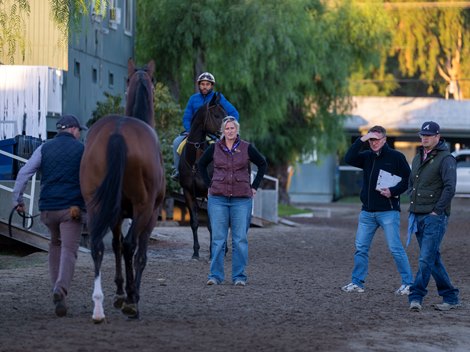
<point>429,128</point>
<point>68,121</point>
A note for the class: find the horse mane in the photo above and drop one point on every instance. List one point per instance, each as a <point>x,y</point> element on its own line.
<point>140,93</point>
<point>142,103</point>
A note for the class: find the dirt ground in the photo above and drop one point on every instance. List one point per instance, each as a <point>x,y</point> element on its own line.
<point>292,301</point>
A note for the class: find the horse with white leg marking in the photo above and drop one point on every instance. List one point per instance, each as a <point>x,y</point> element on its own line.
<point>122,176</point>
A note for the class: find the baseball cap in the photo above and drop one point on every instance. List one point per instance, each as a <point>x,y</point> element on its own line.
<point>68,121</point>
<point>429,128</point>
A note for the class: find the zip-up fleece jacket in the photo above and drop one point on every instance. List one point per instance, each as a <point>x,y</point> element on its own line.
<point>432,181</point>
<point>387,159</point>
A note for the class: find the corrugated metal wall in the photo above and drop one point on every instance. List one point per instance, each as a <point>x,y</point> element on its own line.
<point>45,45</point>
<point>94,60</point>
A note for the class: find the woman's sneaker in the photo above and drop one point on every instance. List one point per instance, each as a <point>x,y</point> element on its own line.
<point>352,288</point>
<point>446,306</point>
<point>415,306</point>
<point>211,282</point>
<point>404,290</point>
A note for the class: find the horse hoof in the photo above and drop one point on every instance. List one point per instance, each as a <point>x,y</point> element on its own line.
<point>119,301</point>
<point>130,310</point>
<point>98,321</point>
<point>195,257</point>
<point>134,318</point>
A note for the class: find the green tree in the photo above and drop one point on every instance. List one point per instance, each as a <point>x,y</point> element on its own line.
<point>284,64</point>
<point>13,15</point>
<point>67,13</point>
<point>167,124</point>
<point>429,43</point>
<point>112,105</point>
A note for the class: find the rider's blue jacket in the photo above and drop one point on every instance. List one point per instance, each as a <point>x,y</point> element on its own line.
<point>197,100</point>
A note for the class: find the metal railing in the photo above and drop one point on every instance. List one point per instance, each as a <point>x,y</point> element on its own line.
<point>33,184</point>
<point>265,202</point>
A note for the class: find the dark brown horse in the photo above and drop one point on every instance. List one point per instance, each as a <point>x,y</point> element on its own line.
<point>122,176</point>
<point>206,121</point>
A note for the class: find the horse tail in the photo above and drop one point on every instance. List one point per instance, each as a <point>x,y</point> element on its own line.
<point>107,198</point>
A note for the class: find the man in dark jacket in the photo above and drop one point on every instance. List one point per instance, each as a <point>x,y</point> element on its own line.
<point>385,177</point>
<point>60,202</point>
<point>432,187</point>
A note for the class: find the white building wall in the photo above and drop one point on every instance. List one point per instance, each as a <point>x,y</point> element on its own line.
<point>27,95</point>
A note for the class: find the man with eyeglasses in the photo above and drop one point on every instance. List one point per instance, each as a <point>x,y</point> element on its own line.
<point>205,82</point>
<point>380,205</point>
<point>431,189</point>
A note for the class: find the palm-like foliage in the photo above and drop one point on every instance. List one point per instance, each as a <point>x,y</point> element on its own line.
<point>12,23</point>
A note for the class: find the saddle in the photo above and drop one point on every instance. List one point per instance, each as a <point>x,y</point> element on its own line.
<point>210,139</point>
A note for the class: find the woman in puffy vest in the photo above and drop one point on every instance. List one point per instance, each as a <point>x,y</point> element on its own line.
<point>230,198</point>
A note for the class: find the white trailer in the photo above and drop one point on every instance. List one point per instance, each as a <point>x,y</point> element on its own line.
<point>28,95</point>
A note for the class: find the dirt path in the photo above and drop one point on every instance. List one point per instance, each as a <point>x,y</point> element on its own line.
<point>292,302</point>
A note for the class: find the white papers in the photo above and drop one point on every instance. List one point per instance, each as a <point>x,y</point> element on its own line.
<point>386,180</point>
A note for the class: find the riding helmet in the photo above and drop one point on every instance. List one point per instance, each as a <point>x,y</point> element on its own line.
<point>206,76</point>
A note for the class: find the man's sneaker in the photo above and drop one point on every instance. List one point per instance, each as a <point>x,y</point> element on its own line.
<point>352,288</point>
<point>211,282</point>
<point>415,306</point>
<point>239,283</point>
<point>175,175</point>
<point>446,306</point>
<point>404,290</point>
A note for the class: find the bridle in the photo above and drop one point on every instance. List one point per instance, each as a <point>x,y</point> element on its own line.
<point>199,144</point>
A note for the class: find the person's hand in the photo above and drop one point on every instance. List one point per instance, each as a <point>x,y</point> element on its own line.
<point>253,191</point>
<point>385,192</point>
<point>20,208</point>
<point>370,135</point>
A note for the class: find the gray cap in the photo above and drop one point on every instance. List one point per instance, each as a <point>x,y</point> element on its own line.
<point>68,121</point>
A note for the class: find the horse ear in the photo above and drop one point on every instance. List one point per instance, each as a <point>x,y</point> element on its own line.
<point>151,68</point>
<point>215,99</point>
<point>130,67</point>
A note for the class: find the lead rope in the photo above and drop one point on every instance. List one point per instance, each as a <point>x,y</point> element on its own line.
<point>25,216</point>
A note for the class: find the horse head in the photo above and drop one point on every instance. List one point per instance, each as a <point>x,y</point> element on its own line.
<point>208,119</point>
<point>140,92</point>
<point>214,116</point>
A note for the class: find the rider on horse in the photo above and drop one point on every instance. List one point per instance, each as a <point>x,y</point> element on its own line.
<point>206,82</point>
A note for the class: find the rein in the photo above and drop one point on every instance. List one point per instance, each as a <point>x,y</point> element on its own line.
<point>25,216</point>
<point>197,145</point>
<point>213,137</point>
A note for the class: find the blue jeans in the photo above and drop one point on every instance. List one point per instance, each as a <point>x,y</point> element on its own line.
<point>430,232</point>
<point>225,212</point>
<point>176,142</point>
<point>368,224</point>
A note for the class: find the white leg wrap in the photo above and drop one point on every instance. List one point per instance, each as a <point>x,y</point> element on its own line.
<point>98,311</point>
